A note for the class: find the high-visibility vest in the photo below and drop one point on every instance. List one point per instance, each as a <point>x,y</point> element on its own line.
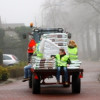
<point>31,44</point>
<point>30,50</point>
<point>73,53</point>
<point>37,51</point>
<point>62,62</point>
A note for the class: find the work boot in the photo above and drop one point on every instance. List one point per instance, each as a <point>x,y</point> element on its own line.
<point>25,79</point>
<point>66,83</point>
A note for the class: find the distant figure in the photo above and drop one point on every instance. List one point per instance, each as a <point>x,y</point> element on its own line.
<point>31,49</point>
<point>72,50</point>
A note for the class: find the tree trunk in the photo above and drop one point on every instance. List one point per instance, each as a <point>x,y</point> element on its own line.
<point>97,41</point>
<point>88,42</point>
<point>1,58</point>
<point>83,46</point>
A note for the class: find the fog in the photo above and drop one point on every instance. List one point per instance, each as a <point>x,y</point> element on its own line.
<point>81,18</point>
<point>20,11</point>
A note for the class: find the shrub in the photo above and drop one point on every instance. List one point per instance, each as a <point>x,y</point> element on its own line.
<point>12,71</point>
<point>3,74</point>
<point>16,70</point>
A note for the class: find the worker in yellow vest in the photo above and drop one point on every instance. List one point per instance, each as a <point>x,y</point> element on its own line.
<point>37,50</point>
<point>72,50</point>
<point>62,63</point>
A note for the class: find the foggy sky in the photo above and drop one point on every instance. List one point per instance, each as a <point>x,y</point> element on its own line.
<point>21,11</point>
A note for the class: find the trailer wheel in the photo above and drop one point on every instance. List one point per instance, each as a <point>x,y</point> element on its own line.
<point>76,83</point>
<point>35,85</point>
<point>30,82</point>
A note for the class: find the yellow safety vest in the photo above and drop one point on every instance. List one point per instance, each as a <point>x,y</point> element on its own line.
<point>37,52</point>
<point>73,53</point>
<point>62,62</point>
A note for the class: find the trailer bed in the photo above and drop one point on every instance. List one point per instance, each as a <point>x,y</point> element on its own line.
<point>54,71</point>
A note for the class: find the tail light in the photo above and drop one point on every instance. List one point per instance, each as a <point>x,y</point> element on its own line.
<point>81,75</point>
<point>36,77</point>
<point>14,57</point>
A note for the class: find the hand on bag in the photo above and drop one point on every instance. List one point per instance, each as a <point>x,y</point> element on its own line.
<point>67,65</point>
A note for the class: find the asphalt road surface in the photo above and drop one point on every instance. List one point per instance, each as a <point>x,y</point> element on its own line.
<point>90,88</point>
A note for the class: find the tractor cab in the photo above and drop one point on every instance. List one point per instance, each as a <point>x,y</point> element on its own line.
<point>38,32</point>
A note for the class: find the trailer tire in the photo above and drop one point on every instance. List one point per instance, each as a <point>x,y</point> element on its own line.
<point>76,83</point>
<point>30,82</point>
<point>35,85</point>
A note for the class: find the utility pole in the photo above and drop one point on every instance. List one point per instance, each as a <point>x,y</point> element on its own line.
<point>0,22</point>
<point>35,21</point>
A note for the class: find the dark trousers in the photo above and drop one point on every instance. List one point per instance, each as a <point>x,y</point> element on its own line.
<point>65,73</point>
<point>29,56</point>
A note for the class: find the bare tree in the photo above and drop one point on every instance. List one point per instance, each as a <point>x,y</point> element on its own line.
<point>81,18</point>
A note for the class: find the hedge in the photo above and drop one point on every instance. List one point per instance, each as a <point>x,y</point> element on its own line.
<point>16,70</point>
<point>3,73</point>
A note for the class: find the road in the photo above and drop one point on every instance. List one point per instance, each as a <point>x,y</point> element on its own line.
<point>90,88</point>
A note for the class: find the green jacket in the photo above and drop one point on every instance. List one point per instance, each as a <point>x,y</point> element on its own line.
<point>73,53</point>
<point>62,62</point>
<point>37,51</point>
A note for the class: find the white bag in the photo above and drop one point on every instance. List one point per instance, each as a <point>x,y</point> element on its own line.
<point>41,47</point>
<point>48,48</point>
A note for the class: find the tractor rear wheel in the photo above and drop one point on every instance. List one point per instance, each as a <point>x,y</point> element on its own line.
<point>35,85</point>
<point>30,82</point>
<point>76,83</point>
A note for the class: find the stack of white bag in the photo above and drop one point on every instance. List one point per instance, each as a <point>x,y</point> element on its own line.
<point>38,63</point>
<point>58,38</point>
<point>48,48</point>
<point>51,43</point>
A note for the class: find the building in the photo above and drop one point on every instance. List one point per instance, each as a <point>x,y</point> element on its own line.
<point>10,25</point>
<point>0,23</point>
<point>13,44</point>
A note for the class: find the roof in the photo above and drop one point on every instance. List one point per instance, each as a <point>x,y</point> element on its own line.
<point>12,25</point>
<point>48,29</point>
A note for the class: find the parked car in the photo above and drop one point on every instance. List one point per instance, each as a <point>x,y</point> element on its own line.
<point>9,59</point>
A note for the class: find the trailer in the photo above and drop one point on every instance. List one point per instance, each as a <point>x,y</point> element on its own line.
<point>38,75</point>
<point>41,74</point>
